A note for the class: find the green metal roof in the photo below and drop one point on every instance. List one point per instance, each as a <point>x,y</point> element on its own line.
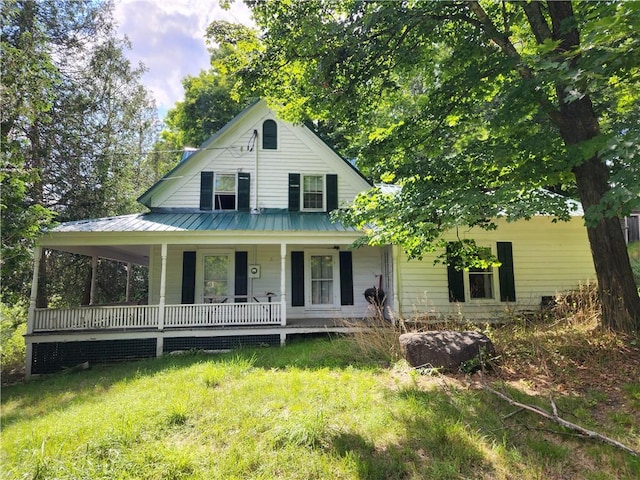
<point>273,221</point>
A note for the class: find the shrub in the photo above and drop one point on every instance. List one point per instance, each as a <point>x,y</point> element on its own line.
<point>580,305</point>
<point>13,325</point>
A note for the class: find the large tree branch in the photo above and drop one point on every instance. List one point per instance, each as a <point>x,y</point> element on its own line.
<point>507,47</point>
<point>502,40</point>
<point>539,26</point>
<point>560,421</point>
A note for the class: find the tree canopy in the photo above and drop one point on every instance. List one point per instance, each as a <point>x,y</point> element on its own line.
<point>477,110</point>
<point>76,122</point>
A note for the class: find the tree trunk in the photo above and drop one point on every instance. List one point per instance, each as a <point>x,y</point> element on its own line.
<point>616,286</point>
<point>577,123</point>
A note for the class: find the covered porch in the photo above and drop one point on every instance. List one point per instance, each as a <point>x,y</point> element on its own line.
<point>210,275</point>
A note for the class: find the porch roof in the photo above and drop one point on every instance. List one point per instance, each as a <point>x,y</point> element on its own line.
<point>274,221</point>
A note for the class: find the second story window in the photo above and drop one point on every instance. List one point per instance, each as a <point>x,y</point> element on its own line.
<point>313,192</point>
<point>224,191</point>
<point>270,135</point>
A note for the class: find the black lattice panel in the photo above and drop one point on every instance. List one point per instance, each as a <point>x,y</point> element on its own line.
<point>219,343</point>
<point>56,356</point>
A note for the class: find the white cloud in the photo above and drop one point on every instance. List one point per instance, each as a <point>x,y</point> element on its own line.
<point>167,36</point>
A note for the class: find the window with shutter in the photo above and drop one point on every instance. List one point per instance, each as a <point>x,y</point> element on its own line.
<point>225,191</point>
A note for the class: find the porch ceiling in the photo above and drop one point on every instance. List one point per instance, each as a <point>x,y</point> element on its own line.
<point>136,254</point>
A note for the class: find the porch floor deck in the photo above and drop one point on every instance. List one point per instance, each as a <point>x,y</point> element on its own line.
<point>294,325</point>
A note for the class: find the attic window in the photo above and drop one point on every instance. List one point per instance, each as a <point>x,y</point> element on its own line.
<point>312,192</point>
<point>269,135</point>
<point>224,191</point>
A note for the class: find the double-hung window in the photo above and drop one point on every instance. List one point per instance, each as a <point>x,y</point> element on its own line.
<point>477,283</point>
<point>224,191</point>
<point>322,282</point>
<point>313,192</point>
<point>481,283</point>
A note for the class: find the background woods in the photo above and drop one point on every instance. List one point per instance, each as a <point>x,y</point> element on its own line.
<point>76,123</point>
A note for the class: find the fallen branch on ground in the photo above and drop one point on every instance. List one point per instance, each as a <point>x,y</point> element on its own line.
<point>560,421</point>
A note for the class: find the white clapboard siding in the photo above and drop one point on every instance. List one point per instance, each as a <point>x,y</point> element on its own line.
<point>299,151</point>
<point>548,258</point>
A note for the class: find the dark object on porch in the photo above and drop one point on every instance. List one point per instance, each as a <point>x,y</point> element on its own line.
<point>375,296</point>
<point>445,349</point>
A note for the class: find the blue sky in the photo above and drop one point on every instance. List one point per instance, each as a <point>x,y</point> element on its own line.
<point>167,36</point>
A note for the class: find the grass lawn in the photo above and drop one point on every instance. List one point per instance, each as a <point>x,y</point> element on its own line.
<point>319,409</point>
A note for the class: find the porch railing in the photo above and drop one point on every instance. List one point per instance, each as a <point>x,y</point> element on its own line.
<point>146,316</point>
<point>92,318</point>
<point>222,314</point>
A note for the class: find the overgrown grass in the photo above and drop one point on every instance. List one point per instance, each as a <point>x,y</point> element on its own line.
<point>634,257</point>
<point>313,409</point>
<point>13,325</point>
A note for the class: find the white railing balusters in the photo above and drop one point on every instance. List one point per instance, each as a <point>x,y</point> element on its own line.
<point>146,316</point>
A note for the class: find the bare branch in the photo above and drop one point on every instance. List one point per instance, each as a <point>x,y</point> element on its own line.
<point>560,421</point>
<point>502,40</point>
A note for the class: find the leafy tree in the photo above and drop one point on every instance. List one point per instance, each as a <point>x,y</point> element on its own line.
<point>477,109</point>
<point>75,121</point>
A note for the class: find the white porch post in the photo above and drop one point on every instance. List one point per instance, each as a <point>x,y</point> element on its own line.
<point>31,318</point>
<point>283,283</point>
<point>161,303</point>
<point>94,271</point>
<point>163,287</point>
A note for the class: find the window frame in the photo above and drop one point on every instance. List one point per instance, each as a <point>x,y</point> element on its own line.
<point>335,279</point>
<point>495,286</point>
<point>276,137</point>
<point>200,270</point>
<point>217,175</point>
<point>323,192</point>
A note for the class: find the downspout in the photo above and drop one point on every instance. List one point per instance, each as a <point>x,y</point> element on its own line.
<point>255,208</point>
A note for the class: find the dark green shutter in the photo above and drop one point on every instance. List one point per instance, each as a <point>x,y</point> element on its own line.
<point>505,272</point>
<point>242,276</point>
<point>346,278</point>
<point>332,192</point>
<point>297,279</point>
<point>455,280</point>
<point>294,192</point>
<point>269,135</point>
<point>188,277</point>
<point>244,191</point>
<point>206,190</point>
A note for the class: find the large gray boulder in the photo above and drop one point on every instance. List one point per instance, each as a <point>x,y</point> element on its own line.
<point>445,349</point>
